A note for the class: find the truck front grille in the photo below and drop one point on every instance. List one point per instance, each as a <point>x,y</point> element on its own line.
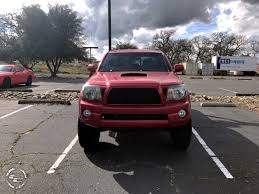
<point>134,117</point>
<point>134,96</point>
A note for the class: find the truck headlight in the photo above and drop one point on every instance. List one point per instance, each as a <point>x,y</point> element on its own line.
<point>176,92</point>
<point>91,92</point>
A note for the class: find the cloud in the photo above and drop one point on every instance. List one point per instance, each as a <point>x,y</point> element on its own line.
<point>251,1</point>
<point>136,21</point>
<point>243,18</point>
<point>128,15</point>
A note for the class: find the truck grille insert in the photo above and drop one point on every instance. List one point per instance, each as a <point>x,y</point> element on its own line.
<point>134,96</point>
<point>134,117</point>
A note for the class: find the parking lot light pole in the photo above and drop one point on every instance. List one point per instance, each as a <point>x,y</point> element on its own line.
<point>109,25</point>
<point>90,47</point>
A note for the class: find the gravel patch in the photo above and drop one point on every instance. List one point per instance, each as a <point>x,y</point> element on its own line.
<point>250,103</point>
<point>9,95</point>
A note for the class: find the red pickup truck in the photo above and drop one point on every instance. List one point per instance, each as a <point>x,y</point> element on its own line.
<point>134,89</point>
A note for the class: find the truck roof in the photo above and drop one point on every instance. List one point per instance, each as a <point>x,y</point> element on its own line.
<point>135,51</point>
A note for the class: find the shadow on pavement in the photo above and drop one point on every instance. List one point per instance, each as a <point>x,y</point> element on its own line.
<point>148,162</point>
<point>141,164</point>
<point>63,79</point>
<point>21,87</point>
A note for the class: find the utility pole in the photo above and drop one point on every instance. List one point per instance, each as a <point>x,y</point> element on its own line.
<point>109,25</point>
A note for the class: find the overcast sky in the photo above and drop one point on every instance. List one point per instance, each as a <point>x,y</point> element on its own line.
<point>136,21</point>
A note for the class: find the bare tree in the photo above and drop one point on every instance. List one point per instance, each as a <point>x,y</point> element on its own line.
<point>181,51</point>
<point>202,49</point>
<point>125,45</point>
<point>177,51</point>
<point>224,44</point>
<point>8,37</point>
<point>163,41</point>
<point>253,47</point>
<point>7,25</point>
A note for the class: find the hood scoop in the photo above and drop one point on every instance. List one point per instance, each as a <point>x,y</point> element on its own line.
<point>134,75</point>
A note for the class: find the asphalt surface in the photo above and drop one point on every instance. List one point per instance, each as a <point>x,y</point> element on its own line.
<point>33,138</point>
<point>228,87</point>
<point>208,86</point>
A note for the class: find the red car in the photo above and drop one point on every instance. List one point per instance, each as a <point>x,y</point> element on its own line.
<point>15,74</point>
<point>134,89</point>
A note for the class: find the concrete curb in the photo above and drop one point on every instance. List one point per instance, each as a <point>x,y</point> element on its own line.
<point>66,91</point>
<point>16,90</point>
<point>219,78</point>
<point>247,94</point>
<point>195,77</point>
<point>32,101</point>
<point>245,79</point>
<point>214,104</point>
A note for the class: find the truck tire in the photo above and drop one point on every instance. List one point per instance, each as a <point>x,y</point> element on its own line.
<point>7,83</point>
<point>182,136</point>
<point>88,137</point>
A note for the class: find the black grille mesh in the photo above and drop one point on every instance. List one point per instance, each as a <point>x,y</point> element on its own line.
<point>134,96</point>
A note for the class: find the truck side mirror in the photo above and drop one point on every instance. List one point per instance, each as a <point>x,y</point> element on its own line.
<point>178,67</point>
<point>92,68</point>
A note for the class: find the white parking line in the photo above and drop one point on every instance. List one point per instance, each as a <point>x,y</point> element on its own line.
<point>12,113</point>
<point>219,164</point>
<point>228,90</point>
<point>62,156</point>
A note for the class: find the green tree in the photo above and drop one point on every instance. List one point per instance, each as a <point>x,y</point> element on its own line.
<point>32,31</point>
<point>52,37</point>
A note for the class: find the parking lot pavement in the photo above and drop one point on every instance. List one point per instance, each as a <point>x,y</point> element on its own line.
<point>42,86</point>
<point>9,107</point>
<point>33,140</point>
<point>221,87</point>
<point>211,87</point>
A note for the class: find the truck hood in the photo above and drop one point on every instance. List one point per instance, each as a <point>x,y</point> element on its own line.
<point>134,79</point>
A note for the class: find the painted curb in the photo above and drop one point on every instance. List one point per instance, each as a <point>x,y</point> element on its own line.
<point>213,104</point>
<point>66,91</point>
<point>247,94</point>
<point>16,90</point>
<point>245,79</point>
<point>31,101</point>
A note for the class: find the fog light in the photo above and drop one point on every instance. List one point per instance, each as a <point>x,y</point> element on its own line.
<point>87,113</point>
<point>182,113</point>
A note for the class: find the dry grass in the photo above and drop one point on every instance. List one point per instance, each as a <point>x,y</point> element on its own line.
<point>64,69</point>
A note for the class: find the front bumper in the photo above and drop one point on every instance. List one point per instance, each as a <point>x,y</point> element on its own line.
<point>171,110</point>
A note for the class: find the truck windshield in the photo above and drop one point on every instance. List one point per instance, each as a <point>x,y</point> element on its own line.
<point>6,68</point>
<point>134,62</point>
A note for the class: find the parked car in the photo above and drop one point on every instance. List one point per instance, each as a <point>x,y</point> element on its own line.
<point>11,75</point>
<point>134,89</point>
